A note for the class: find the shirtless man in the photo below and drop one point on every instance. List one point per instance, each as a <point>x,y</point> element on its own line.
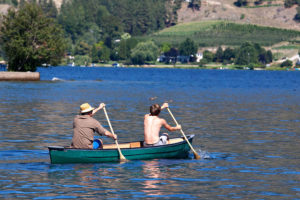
<point>152,125</point>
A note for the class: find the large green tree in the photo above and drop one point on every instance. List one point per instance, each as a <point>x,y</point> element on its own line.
<point>188,48</point>
<point>126,45</point>
<point>247,54</point>
<point>252,53</point>
<point>219,55</point>
<point>144,52</point>
<point>30,39</point>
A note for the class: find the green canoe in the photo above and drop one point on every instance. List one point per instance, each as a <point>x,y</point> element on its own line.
<point>177,148</point>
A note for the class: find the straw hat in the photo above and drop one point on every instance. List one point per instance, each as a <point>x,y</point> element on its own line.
<point>84,108</point>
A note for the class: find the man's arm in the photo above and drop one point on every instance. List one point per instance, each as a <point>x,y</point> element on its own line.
<point>170,128</point>
<point>109,134</point>
<point>165,105</point>
<point>101,105</point>
<point>102,131</point>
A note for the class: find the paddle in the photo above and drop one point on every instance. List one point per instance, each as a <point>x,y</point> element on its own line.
<point>122,158</point>
<point>195,153</point>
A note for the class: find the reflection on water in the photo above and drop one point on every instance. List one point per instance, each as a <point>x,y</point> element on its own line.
<point>246,125</point>
<point>153,176</point>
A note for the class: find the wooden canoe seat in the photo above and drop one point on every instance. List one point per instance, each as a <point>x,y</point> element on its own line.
<point>125,145</point>
<point>135,144</point>
<point>175,140</point>
<point>114,146</point>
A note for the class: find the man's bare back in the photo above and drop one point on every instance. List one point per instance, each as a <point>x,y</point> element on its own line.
<point>153,124</point>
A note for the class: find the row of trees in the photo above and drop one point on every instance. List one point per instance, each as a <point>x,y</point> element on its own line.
<point>30,38</point>
<point>290,3</point>
<point>241,3</point>
<point>247,54</point>
<point>287,4</point>
<point>40,39</point>
<point>101,30</point>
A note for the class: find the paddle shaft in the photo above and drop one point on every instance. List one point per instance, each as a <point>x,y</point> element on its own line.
<point>112,131</point>
<point>195,153</point>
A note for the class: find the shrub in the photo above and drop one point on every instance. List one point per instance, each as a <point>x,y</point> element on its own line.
<point>286,63</point>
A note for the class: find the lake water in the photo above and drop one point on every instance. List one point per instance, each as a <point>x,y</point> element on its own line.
<point>246,126</point>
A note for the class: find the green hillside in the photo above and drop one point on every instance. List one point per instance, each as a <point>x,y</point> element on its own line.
<point>215,33</point>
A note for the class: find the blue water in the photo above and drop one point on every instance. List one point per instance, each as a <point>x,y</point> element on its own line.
<point>246,126</point>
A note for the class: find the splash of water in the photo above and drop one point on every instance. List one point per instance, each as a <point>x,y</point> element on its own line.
<point>205,154</point>
<point>56,79</point>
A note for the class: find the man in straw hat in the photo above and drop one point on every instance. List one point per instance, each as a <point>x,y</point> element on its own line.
<point>84,126</point>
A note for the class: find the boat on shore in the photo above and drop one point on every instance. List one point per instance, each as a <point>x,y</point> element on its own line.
<point>176,148</point>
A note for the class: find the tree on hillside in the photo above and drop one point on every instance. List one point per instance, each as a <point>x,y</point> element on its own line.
<point>111,26</point>
<point>241,3</point>
<point>171,56</point>
<point>195,4</point>
<point>228,55</point>
<point>82,48</point>
<point>219,55</point>
<point>290,3</point>
<point>138,17</point>
<point>126,45</point>
<point>13,2</point>
<point>30,39</point>
<point>259,2</point>
<point>188,48</point>
<point>297,16</point>
<point>165,47</point>
<point>208,56</point>
<point>250,53</point>
<point>144,52</point>
<point>49,8</point>
<point>287,63</point>
<point>247,54</point>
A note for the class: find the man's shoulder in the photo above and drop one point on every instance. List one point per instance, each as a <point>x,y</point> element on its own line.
<point>76,117</point>
<point>81,116</point>
<point>162,120</point>
<point>84,117</point>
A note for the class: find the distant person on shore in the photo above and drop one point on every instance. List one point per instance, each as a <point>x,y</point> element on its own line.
<point>152,125</point>
<point>84,126</point>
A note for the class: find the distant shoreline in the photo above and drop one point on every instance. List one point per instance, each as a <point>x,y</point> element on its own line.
<point>191,66</point>
<point>181,66</point>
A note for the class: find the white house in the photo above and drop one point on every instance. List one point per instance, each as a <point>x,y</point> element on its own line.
<point>199,56</point>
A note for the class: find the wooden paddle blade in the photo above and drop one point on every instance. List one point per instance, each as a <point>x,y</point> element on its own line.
<point>197,157</point>
<point>122,158</point>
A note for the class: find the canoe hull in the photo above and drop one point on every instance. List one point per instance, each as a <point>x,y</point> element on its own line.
<point>61,155</point>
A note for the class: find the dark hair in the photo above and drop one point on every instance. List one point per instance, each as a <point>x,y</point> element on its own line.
<point>155,109</point>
